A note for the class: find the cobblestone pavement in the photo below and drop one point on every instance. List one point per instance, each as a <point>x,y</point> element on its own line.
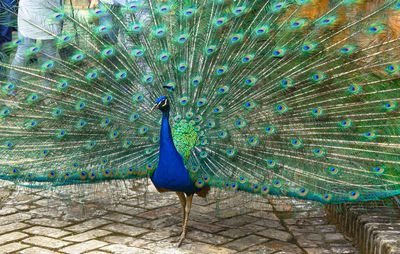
<point>113,221</point>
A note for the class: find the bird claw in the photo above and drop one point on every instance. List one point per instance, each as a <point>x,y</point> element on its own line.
<point>180,241</point>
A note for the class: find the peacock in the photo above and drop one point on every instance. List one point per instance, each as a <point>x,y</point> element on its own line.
<point>294,98</point>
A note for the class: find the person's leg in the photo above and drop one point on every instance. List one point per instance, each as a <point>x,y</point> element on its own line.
<point>108,20</point>
<point>19,60</point>
<point>5,37</point>
<point>49,52</point>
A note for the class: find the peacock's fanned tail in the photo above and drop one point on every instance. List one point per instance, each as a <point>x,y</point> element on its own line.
<point>294,97</point>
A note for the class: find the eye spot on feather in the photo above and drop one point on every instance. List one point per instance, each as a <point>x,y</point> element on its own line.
<point>230,152</point>
<point>390,106</point>
<point>223,134</point>
<point>278,53</point>
<point>199,183</point>
<point>296,143</point>
<point>370,135</point>
<point>223,89</point>
<point>260,31</point>
<point>334,170</point>
<point>235,38</point>
<point>240,123</point>
<point>379,170</point>
<point>4,112</point>
<point>264,190</point>
<point>196,81</point>
<point>143,130</point>
<point>327,197</point>
<point>159,32</point>
<point>277,183</point>
<point>14,171</point>
<point>354,195</point>
<point>203,154</point>
<point>218,109</point>
<point>318,77</point>
<point>250,81</point>
<point>52,174</point>
<point>281,108</point>
<point>220,21</point>
<point>83,175</point>
<point>269,130</point>
<point>221,70</point>
<point>319,152</point>
<point>271,163</point>
<point>392,69</point>
<point>60,133</point>
<point>303,192</point>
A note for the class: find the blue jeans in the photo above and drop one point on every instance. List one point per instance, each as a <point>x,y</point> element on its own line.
<point>6,29</point>
<point>48,51</point>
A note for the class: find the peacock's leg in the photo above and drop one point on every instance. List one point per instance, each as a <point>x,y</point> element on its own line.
<point>182,198</point>
<point>186,219</point>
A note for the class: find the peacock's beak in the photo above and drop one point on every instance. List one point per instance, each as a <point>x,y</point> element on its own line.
<point>154,108</point>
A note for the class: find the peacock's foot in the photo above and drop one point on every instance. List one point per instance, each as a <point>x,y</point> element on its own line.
<point>180,240</point>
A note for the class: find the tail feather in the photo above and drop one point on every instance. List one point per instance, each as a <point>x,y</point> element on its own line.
<point>295,98</point>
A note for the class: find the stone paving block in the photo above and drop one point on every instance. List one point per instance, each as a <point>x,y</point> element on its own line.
<point>8,219</point>
<point>87,225</point>
<point>245,242</point>
<point>304,242</point>
<point>23,207</point>
<point>162,222</point>
<point>125,229</point>
<point>207,237</point>
<point>258,249</point>
<point>315,237</point>
<point>344,249</point>
<point>118,239</point>
<point>253,227</point>
<point>160,212</point>
<point>326,228</point>
<point>11,237</point>
<point>37,250</point>
<point>129,210</point>
<point>204,208</point>
<point>7,211</point>
<point>88,235</point>
<point>206,227</point>
<point>122,249</point>
<point>206,248</point>
<point>317,251</point>
<point>49,222</point>
<point>83,247</point>
<point>45,242</point>
<point>334,237</point>
<point>46,231</point>
<point>237,221</point>
<point>283,246</point>
<point>276,234</point>
<point>157,235</point>
<point>269,224</point>
<point>265,215</point>
<point>236,232</point>
<point>117,217</point>
<point>205,218</point>
<point>12,227</point>
<point>168,245</point>
<point>12,247</point>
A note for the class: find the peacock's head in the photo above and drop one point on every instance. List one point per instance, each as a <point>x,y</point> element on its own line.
<point>161,103</point>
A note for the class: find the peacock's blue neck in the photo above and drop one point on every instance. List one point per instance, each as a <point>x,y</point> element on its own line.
<point>171,173</point>
<point>166,141</point>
